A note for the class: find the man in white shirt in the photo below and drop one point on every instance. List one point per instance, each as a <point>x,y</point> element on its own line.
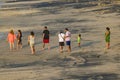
<point>68,39</point>
<point>61,37</point>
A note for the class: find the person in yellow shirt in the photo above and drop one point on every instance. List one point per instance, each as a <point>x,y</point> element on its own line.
<point>79,40</point>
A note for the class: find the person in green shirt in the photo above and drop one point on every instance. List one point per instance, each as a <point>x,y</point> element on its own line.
<point>79,40</point>
<point>107,37</point>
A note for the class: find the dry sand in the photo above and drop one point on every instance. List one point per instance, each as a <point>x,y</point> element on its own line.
<point>90,62</point>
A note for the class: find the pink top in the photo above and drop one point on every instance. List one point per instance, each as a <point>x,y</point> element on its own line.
<point>11,38</point>
<point>68,36</point>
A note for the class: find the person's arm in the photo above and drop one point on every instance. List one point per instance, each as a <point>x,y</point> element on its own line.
<point>106,34</point>
<point>14,37</point>
<point>7,38</point>
<point>43,35</point>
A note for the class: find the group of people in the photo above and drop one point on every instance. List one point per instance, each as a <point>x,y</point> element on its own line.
<point>63,38</point>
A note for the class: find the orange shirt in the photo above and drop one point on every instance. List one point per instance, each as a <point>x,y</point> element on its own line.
<point>11,38</point>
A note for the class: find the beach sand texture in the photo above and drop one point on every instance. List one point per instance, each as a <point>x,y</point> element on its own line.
<point>89,62</point>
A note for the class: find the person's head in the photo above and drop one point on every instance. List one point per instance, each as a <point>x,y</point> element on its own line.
<point>79,35</point>
<point>11,31</point>
<point>32,33</point>
<point>66,29</point>
<point>61,31</point>
<point>45,27</point>
<point>19,31</point>
<point>107,28</point>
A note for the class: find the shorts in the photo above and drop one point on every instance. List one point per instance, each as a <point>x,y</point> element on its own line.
<point>45,40</point>
<point>61,44</point>
<point>68,43</point>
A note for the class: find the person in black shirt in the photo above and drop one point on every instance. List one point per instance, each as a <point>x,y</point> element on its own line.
<point>19,39</point>
<point>46,37</point>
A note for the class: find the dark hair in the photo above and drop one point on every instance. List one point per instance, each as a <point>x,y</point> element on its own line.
<point>66,29</point>
<point>107,28</point>
<point>45,27</point>
<point>79,35</point>
<point>32,33</point>
<point>61,31</point>
<point>20,32</point>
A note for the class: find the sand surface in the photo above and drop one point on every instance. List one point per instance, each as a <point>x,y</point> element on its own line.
<point>89,62</point>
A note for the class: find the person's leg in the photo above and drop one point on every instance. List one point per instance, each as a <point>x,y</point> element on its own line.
<point>17,44</point>
<point>13,45</point>
<point>33,49</point>
<point>10,44</point>
<point>62,49</point>
<point>20,45</point>
<point>78,44</point>
<point>108,45</point>
<point>48,46</point>
<point>69,48</point>
<point>43,45</point>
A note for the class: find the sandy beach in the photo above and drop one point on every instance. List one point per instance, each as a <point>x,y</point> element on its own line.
<point>88,62</point>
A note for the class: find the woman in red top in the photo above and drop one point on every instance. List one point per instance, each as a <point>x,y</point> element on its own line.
<point>11,39</point>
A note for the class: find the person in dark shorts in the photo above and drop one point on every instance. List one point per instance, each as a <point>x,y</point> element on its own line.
<point>68,39</point>
<point>19,39</point>
<point>61,37</point>
<point>46,36</point>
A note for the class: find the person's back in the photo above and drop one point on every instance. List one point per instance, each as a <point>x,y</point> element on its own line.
<point>32,39</point>
<point>68,36</point>
<point>11,37</point>
<point>46,34</point>
<point>61,37</point>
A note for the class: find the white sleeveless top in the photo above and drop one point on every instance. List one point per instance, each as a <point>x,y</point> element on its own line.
<point>32,40</point>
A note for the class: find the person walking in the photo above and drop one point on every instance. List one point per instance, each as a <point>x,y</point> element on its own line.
<point>11,39</point>
<point>31,40</point>
<point>46,36</point>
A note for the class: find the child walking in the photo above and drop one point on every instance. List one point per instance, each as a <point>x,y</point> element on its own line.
<point>79,40</point>
<point>11,39</point>
<point>31,40</point>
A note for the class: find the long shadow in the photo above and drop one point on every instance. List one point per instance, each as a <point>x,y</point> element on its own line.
<point>89,43</point>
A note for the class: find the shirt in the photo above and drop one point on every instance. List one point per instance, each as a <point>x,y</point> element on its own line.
<point>11,37</point>
<point>61,37</point>
<point>68,36</point>
<point>46,34</point>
